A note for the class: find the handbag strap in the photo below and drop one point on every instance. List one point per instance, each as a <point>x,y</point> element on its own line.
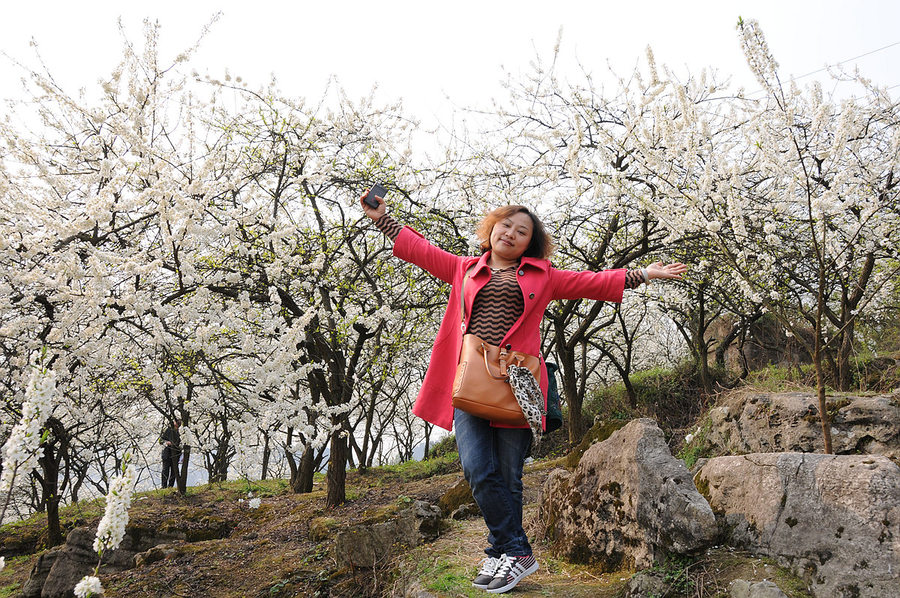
<point>504,375</point>
<point>462,299</point>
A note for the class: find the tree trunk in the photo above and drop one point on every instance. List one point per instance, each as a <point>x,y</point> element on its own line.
<point>427,441</point>
<point>336,493</point>
<point>823,404</point>
<point>265,457</point>
<point>181,479</point>
<point>306,471</point>
<point>629,390</point>
<point>704,373</point>
<point>843,378</point>
<point>302,473</point>
<point>566,358</point>
<point>50,494</point>
<point>817,359</point>
<point>701,346</point>
<point>742,358</point>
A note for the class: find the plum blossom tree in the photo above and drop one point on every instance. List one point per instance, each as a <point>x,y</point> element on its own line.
<point>165,251</point>
<point>86,209</point>
<point>796,194</point>
<point>562,148</point>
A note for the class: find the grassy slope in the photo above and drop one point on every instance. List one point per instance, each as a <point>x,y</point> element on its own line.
<point>284,548</point>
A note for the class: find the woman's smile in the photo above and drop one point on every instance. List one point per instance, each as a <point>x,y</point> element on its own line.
<point>510,238</point>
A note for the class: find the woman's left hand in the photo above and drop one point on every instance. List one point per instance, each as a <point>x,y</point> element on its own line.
<point>660,270</point>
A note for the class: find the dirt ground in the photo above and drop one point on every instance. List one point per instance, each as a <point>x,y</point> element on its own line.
<point>284,548</point>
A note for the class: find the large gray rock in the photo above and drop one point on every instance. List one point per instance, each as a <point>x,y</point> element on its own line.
<point>39,573</point>
<point>741,588</point>
<point>628,502</point>
<point>58,570</point>
<point>789,422</point>
<point>834,520</point>
<point>647,583</point>
<point>77,558</point>
<point>370,545</point>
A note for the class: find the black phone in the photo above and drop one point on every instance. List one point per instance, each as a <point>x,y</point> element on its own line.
<point>375,191</point>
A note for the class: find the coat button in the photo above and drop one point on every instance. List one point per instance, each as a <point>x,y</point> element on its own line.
<point>521,272</point>
<point>531,295</point>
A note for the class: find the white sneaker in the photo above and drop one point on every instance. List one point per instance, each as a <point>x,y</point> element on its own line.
<point>486,574</point>
<point>511,571</point>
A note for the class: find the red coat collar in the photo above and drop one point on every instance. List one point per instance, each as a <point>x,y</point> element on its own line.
<point>481,263</point>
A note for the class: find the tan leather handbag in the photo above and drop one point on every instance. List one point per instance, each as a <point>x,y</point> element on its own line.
<point>481,387</point>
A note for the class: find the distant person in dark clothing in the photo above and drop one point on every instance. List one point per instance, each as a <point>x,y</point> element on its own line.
<point>170,439</point>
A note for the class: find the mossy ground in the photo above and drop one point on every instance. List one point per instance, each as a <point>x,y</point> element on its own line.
<point>446,567</point>
<point>235,551</point>
<point>284,548</point>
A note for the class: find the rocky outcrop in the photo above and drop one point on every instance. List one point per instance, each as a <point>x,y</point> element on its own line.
<point>458,502</point>
<point>741,588</point>
<point>56,572</point>
<point>832,519</point>
<point>789,422</point>
<point>39,573</point>
<point>628,502</point>
<point>371,545</point>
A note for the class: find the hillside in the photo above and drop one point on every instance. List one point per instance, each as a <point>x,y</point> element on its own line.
<point>285,547</point>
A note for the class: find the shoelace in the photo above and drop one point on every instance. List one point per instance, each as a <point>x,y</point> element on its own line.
<point>506,563</point>
<point>489,565</point>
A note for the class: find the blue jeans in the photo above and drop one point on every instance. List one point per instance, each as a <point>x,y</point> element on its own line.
<point>492,461</point>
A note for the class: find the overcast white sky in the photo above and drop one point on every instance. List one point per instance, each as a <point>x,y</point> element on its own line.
<point>436,55</point>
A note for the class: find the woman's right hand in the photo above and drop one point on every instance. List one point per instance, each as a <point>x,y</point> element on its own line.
<point>373,213</point>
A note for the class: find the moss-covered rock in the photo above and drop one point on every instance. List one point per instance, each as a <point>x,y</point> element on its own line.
<point>321,528</point>
<point>599,432</point>
<point>460,494</point>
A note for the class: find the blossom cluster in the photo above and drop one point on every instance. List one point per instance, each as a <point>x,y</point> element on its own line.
<point>111,529</point>
<point>253,502</point>
<point>88,587</point>
<point>20,452</point>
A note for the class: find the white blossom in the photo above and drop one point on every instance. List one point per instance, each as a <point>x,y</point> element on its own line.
<point>89,586</point>
<point>20,452</point>
<point>111,529</point>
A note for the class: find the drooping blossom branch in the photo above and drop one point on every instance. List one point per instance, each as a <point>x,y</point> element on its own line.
<point>20,452</point>
<point>111,529</point>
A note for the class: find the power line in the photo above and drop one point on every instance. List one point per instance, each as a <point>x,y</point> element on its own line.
<point>824,68</point>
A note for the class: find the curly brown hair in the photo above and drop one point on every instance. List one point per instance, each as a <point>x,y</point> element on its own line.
<point>541,245</point>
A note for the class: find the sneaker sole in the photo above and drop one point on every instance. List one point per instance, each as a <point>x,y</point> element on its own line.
<point>513,583</point>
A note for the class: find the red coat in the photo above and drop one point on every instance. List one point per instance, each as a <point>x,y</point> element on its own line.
<point>540,282</point>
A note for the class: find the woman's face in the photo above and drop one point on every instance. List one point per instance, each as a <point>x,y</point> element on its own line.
<point>511,235</point>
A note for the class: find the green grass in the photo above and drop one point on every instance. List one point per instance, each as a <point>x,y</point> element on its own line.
<point>775,378</point>
<point>698,447</point>
<point>445,445</point>
<point>672,396</point>
<point>449,579</point>
<point>417,470</point>
<point>17,567</point>
<point>676,572</point>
